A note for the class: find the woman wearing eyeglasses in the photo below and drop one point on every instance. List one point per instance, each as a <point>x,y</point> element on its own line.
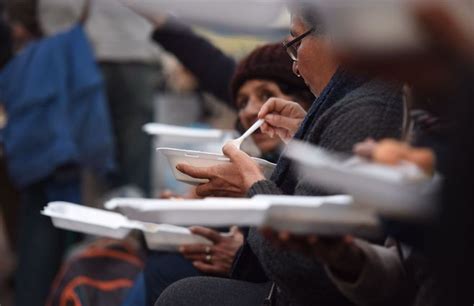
<point>348,109</point>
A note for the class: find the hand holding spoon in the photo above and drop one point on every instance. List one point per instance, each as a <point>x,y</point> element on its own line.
<point>238,141</point>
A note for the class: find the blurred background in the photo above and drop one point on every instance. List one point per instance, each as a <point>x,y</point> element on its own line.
<point>103,69</point>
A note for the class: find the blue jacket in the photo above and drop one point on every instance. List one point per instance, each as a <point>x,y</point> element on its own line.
<point>57,113</point>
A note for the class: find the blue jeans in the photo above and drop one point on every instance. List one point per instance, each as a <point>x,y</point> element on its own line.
<point>137,294</point>
<point>161,270</point>
<point>41,246</point>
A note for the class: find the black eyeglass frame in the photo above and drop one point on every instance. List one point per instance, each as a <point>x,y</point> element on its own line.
<point>291,43</point>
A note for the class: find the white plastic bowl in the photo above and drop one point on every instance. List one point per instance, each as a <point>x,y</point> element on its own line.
<point>204,160</point>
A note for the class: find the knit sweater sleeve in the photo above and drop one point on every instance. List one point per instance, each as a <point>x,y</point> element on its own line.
<point>350,123</point>
<point>354,121</point>
<point>212,68</point>
<point>264,187</point>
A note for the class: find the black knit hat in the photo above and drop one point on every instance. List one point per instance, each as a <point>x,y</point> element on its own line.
<point>268,62</point>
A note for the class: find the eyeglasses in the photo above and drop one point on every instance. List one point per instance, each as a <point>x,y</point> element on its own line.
<point>292,45</point>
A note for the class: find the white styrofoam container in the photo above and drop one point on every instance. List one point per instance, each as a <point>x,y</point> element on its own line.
<point>87,220</point>
<point>204,160</point>
<point>402,190</point>
<point>301,201</point>
<point>165,237</point>
<point>99,222</point>
<point>322,215</point>
<point>206,212</point>
<point>327,219</point>
<point>300,214</point>
<point>184,134</point>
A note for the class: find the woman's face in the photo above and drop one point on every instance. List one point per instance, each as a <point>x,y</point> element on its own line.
<point>250,98</point>
<point>316,64</point>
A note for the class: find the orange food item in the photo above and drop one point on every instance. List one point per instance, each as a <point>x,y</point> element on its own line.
<point>390,152</point>
<point>423,158</point>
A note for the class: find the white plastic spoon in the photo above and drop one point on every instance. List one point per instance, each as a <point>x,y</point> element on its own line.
<point>238,141</point>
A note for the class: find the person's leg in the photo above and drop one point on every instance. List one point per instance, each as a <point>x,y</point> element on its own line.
<point>41,245</point>
<point>130,92</point>
<point>163,269</point>
<point>213,291</point>
<point>137,294</point>
<point>9,204</point>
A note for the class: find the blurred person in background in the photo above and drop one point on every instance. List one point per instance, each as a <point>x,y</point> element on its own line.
<point>264,74</point>
<point>443,74</point>
<point>131,66</point>
<point>348,109</point>
<point>56,126</point>
<point>9,197</point>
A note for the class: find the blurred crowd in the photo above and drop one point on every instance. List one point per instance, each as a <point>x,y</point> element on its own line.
<point>79,79</point>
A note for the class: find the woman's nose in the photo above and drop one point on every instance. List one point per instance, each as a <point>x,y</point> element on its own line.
<point>250,112</point>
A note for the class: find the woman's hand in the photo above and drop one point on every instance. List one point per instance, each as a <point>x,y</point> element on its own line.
<point>232,179</point>
<point>218,258</point>
<point>340,254</point>
<point>282,118</point>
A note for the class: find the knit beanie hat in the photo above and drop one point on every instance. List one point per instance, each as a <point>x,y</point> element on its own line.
<point>268,62</point>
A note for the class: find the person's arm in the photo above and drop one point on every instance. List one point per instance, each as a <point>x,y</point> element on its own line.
<point>382,280</point>
<point>209,65</point>
<point>85,12</point>
<point>246,266</point>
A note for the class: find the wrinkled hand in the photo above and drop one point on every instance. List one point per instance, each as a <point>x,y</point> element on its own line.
<point>282,118</point>
<point>218,258</point>
<point>340,254</point>
<point>232,179</point>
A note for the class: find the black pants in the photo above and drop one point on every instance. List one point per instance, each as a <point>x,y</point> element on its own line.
<point>130,91</point>
<point>41,246</point>
<point>214,291</point>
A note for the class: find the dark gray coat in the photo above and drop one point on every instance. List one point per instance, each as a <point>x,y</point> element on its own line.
<point>348,111</point>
